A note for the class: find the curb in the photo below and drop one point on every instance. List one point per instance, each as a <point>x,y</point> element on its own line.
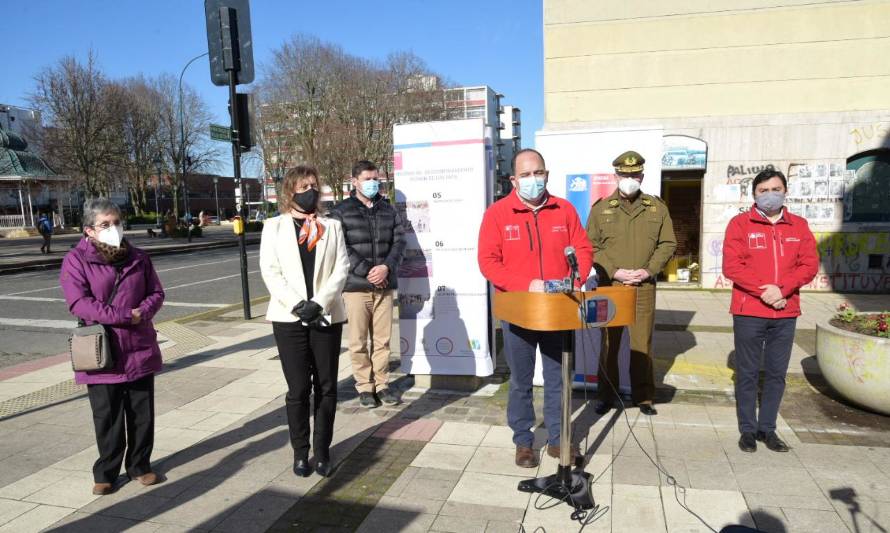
<point>43,264</point>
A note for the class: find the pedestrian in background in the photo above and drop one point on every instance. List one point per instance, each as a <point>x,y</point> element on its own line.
<point>108,281</point>
<point>633,238</point>
<point>304,265</point>
<point>375,239</point>
<point>45,228</point>
<point>769,254</point>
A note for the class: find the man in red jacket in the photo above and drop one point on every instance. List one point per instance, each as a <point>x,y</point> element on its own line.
<point>769,254</point>
<point>522,243</point>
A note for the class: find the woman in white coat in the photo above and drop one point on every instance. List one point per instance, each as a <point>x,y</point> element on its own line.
<point>304,265</point>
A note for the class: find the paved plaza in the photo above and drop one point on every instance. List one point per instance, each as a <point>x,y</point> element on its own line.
<point>443,460</point>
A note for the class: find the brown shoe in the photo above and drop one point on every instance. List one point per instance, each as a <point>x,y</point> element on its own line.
<point>553,451</point>
<point>102,489</point>
<point>148,479</point>
<point>526,457</point>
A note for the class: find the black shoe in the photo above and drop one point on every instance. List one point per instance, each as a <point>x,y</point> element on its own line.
<point>367,400</point>
<point>323,468</point>
<point>302,468</point>
<point>747,443</point>
<point>648,409</point>
<point>387,397</point>
<point>602,407</point>
<point>772,441</point>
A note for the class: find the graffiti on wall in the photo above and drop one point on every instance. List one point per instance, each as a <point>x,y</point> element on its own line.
<point>856,262</point>
<point>870,134</point>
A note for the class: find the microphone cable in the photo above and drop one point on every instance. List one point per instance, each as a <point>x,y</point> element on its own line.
<point>670,479</point>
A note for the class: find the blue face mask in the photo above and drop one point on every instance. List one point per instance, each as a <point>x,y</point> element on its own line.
<point>370,188</point>
<point>531,188</point>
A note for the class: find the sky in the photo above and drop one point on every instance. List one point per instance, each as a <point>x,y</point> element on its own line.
<point>469,42</point>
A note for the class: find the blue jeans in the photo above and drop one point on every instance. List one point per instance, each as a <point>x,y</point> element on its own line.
<point>771,339</point>
<point>519,348</point>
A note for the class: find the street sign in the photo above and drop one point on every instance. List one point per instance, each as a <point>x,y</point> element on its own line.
<point>222,48</point>
<point>220,133</point>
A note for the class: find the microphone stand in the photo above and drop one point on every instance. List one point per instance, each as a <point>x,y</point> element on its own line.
<point>572,487</point>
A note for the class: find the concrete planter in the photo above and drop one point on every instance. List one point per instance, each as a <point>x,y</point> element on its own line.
<point>857,366</point>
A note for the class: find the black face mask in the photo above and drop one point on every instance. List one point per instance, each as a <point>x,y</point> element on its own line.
<point>307,200</point>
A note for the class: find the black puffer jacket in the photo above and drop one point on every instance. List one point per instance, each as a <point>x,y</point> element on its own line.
<point>374,236</point>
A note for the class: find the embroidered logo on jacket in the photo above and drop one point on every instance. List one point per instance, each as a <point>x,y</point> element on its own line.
<point>511,232</point>
<point>757,241</point>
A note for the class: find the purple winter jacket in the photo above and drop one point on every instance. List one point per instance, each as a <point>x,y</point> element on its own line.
<point>87,281</point>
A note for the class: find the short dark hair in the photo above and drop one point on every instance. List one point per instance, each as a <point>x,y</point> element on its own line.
<point>524,151</point>
<point>362,166</point>
<point>766,175</point>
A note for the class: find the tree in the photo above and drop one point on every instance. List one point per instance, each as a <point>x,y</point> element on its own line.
<point>80,108</point>
<point>186,149</point>
<point>140,125</point>
<point>323,106</point>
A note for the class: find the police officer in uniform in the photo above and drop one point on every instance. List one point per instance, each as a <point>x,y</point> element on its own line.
<point>633,238</point>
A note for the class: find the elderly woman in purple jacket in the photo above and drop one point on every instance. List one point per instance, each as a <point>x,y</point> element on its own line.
<point>121,397</point>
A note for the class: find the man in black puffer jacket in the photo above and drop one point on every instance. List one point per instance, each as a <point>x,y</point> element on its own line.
<point>375,241</point>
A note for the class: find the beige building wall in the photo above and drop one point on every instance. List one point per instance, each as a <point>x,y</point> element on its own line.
<point>637,59</point>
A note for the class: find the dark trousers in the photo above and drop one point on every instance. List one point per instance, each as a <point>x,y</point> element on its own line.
<point>124,418</point>
<point>519,348</point>
<point>309,357</point>
<point>47,238</point>
<point>769,340</point>
<point>642,371</point>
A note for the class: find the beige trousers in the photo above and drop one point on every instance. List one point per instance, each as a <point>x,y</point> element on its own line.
<point>369,312</point>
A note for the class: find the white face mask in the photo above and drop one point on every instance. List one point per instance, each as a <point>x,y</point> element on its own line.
<point>628,186</point>
<point>111,236</point>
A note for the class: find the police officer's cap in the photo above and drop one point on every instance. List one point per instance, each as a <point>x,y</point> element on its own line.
<point>629,162</point>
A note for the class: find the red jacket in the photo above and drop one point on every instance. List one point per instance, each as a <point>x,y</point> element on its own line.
<point>517,245</point>
<point>756,252</point>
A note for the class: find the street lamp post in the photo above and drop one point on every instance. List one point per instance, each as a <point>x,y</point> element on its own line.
<point>216,196</point>
<point>157,186</point>
<point>182,134</point>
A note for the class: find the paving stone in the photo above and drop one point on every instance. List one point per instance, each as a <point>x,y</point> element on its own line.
<point>460,433</point>
<point>475,510</point>
<point>38,518</point>
<point>444,456</point>
<point>776,480</point>
<point>494,489</point>
<point>717,509</point>
<point>459,524</point>
<point>813,521</point>
<point>10,509</point>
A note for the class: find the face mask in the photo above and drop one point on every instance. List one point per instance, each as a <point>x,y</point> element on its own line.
<point>531,188</point>
<point>307,200</point>
<point>370,188</point>
<point>770,201</point>
<point>111,236</point>
<point>628,186</point>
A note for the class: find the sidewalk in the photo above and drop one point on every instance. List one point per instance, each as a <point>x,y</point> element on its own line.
<point>17,255</point>
<point>442,460</point>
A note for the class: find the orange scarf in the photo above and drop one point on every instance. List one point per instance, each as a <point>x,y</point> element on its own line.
<point>310,231</point>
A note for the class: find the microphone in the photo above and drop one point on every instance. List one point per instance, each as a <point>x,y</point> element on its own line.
<point>573,264</point>
<point>571,258</point>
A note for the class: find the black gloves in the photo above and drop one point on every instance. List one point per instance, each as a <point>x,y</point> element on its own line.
<point>309,312</point>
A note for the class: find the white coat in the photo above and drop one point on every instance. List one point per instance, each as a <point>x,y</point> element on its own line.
<point>282,269</point>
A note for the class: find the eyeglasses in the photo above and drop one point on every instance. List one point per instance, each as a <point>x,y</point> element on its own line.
<point>537,173</point>
<point>106,225</point>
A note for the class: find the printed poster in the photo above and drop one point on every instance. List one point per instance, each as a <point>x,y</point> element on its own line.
<point>443,177</point>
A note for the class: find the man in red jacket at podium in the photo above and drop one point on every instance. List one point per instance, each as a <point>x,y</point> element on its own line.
<point>522,244</point>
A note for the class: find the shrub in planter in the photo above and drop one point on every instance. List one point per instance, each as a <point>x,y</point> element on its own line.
<point>875,324</point>
<point>853,351</point>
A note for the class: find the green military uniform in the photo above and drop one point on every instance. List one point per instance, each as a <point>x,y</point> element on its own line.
<point>631,234</point>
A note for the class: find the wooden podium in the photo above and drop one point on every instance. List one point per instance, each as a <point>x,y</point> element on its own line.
<point>602,307</point>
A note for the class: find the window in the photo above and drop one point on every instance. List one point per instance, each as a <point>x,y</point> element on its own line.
<point>868,180</point>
